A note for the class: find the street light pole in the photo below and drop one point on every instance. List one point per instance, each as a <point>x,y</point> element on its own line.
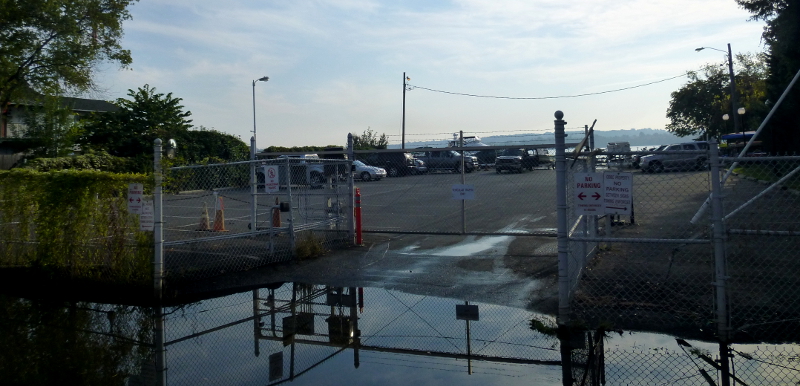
<point>403,139</point>
<point>734,109</point>
<point>261,79</point>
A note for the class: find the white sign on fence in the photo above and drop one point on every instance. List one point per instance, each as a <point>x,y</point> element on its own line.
<point>147,218</point>
<point>618,192</point>
<point>588,193</point>
<point>135,192</point>
<point>463,192</point>
<point>271,179</point>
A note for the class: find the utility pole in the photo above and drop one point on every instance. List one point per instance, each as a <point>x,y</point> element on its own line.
<point>403,143</point>
<point>734,108</point>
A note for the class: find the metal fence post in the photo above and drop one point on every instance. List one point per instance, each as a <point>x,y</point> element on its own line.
<point>158,224</point>
<point>293,242</point>
<point>720,264</point>
<point>561,208</point>
<point>253,187</point>
<point>463,181</point>
<point>158,265</point>
<point>563,250</point>
<point>351,224</point>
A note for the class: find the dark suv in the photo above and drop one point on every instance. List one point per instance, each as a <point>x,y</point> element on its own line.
<point>515,160</point>
<point>396,164</point>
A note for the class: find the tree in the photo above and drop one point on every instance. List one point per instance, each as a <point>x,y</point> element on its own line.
<point>696,109</point>
<point>780,34</point>
<point>51,47</point>
<point>131,130</point>
<point>196,145</point>
<point>369,140</point>
<point>51,128</point>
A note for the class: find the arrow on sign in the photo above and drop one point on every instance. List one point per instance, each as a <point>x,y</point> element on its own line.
<point>612,207</point>
<point>581,196</point>
<point>596,196</point>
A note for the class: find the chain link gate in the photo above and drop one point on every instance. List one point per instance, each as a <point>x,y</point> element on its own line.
<point>707,256</point>
<point>236,216</point>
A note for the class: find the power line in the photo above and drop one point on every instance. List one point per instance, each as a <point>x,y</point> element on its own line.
<point>546,97</point>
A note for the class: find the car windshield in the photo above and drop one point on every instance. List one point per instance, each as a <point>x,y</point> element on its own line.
<point>513,152</point>
<point>359,163</point>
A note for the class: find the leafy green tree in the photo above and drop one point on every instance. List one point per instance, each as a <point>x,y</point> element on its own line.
<point>51,127</point>
<point>696,109</point>
<point>53,46</point>
<point>780,35</point>
<point>131,130</point>
<point>370,140</point>
<point>196,145</point>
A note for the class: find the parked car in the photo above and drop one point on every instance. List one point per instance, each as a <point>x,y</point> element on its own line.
<point>396,164</point>
<point>366,172</point>
<point>515,160</point>
<point>636,159</point>
<point>421,167</point>
<point>656,163</point>
<point>446,160</point>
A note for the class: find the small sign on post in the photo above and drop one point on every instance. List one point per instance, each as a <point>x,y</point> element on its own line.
<point>271,179</point>
<point>135,192</point>
<point>618,193</point>
<point>588,193</point>
<point>463,192</point>
<point>147,218</point>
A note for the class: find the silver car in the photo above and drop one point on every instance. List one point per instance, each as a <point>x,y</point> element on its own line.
<point>366,172</point>
<point>656,163</point>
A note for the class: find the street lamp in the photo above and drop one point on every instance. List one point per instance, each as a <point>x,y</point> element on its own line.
<point>733,84</point>
<point>261,79</point>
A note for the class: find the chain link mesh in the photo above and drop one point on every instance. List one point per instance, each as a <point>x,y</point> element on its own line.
<point>418,196</point>
<point>214,222</point>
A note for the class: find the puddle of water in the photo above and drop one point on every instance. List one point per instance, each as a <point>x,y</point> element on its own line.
<point>313,334</point>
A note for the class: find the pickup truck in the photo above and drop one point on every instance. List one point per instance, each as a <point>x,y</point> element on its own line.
<point>443,159</point>
<point>515,160</point>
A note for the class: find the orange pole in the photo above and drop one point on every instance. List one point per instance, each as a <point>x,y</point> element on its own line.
<point>357,215</point>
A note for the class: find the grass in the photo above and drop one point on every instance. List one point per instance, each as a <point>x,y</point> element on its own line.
<point>770,173</point>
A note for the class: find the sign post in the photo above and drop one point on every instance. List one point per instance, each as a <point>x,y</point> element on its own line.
<point>618,193</point>
<point>588,193</point>
<point>271,179</point>
<point>135,192</point>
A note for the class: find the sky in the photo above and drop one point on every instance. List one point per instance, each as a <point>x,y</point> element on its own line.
<point>336,66</point>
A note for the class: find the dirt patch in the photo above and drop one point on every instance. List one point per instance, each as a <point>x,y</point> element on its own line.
<point>476,265</point>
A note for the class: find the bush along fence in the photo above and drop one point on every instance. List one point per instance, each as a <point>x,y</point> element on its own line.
<point>73,223</point>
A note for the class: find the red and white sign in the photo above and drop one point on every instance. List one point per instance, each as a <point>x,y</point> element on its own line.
<point>271,179</point>
<point>588,193</point>
<point>135,193</point>
<point>618,192</point>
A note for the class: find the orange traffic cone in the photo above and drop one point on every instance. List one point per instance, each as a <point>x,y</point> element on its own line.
<point>204,226</point>
<point>219,218</point>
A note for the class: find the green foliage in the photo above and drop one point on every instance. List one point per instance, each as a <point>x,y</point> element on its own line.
<point>52,127</point>
<point>53,46</point>
<point>99,161</point>
<point>780,34</point>
<point>369,140</point>
<point>131,130</point>
<point>308,246</point>
<point>696,109</point>
<point>196,145</point>
<point>75,222</point>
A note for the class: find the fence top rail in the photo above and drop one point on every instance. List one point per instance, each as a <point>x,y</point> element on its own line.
<point>642,152</point>
<point>318,152</point>
<point>265,162</point>
<point>465,148</point>
<point>759,158</point>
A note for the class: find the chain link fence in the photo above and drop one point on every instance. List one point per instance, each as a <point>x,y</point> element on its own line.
<point>468,190</point>
<point>217,221</point>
